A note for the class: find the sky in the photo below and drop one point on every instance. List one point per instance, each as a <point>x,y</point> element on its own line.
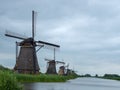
<point>88,32</point>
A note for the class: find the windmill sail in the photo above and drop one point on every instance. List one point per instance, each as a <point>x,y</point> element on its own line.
<point>15,35</point>
<point>46,43</point>
<point>34,16</point>
<point>33,25</point>
<point>60,62</point>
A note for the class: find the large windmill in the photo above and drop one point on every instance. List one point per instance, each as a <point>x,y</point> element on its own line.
<point>26,60</point>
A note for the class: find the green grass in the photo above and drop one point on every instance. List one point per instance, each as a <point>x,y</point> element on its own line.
<point>42,78</point>
<point>8,81</point>
<point>11,81</point>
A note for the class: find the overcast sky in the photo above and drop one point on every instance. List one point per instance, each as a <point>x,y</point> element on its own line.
<point>88,32</point>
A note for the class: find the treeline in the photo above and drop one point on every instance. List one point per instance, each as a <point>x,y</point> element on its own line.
<point>105,76</point>
<point>111,76</point>
<point>4,68</point>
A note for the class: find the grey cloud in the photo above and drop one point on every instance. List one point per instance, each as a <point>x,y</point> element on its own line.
<point>87,30</point>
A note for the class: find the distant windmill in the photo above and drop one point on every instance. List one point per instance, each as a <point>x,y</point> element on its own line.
<point>69,71</point>
<point>51,65</point>
<point>26,61</point>
<point>63,69</point>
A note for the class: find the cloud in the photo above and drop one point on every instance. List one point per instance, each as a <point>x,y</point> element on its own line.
<point>6,56</point>
<point>87,31</point>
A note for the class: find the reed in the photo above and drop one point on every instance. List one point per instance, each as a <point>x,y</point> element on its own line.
<point>8,81</point>
<point>13,78</point>
<point>42,78</point>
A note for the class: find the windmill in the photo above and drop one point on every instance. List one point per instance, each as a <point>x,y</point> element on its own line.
<point>26,60</point>
<point>51,65</point>
<point>67,70</point>
<point>63,69</point>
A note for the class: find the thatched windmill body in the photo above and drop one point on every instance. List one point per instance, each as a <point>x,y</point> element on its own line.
<point>26,60</point>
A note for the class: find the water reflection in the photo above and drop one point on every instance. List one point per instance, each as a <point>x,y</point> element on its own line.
<point>29,86</point>
<point>77,84</point>
<point>40,86</point>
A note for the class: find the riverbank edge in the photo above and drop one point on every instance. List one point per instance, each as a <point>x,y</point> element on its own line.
<point>13,81</point>
<point>37,78</point>
<point>26,78</point>
<point>111,77</point>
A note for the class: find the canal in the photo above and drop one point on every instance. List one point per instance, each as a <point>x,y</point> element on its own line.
<point>76,84</point>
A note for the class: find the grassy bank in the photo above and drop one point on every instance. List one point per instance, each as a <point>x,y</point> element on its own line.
<point>11,81</point>
<point>42,78</point>
<point>36,78</point>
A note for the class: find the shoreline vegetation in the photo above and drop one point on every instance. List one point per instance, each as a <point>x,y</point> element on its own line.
<point>10,80</point>
<point>111,76</point>
<point>42,78</point>
<point>38,77</point>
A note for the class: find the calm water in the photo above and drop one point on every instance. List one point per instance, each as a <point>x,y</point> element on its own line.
<point>77,84</point>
